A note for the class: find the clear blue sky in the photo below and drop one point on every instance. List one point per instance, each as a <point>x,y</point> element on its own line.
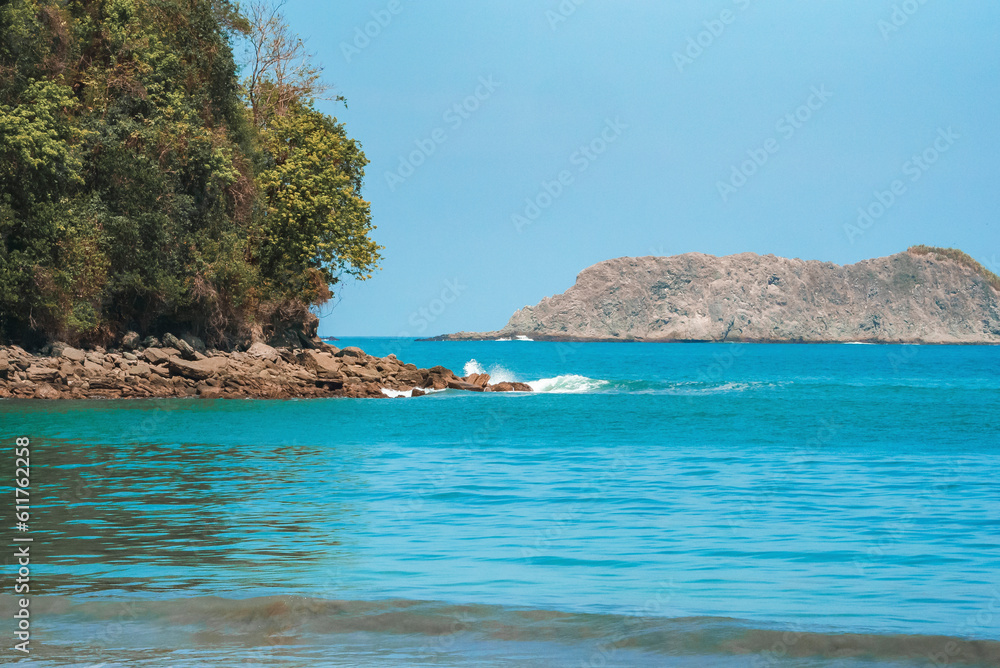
<point>663,124</point>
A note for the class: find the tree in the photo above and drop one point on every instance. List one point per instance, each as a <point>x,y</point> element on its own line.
<point>315,217</point>
<point>281,70</point>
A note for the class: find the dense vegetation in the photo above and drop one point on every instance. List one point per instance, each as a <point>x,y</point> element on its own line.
<point>962,258</point>
<point>144,185</point>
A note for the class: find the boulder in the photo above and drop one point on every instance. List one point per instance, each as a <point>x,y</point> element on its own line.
<point>197,370</point>
<point>55,348</point>
<point>105,383</point>
<point>417,392</point>
<point>351,351</point>
<point>195,342</point>
<point>38,374</point>
<point>155,356</point>
<point>209,392</point>
<point>73,354</point>
<point>4,365</point>
<point>362,372</point>
<point>183,348</point>
<point>480,379</point>
<point>46,391</point>
<point>130,341</point>
<point>140,369</point>
<point>500,387</point>
<point>462,385</point>
<point>262,351</point>
<point>411,377</point>
<point>151,342</point>
<point>92,368</point>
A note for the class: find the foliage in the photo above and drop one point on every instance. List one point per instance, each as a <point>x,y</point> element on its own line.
<point>141,189</point>
<point>961,258</point>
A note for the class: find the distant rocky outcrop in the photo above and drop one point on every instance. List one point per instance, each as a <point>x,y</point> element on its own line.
<point>925,295</point>
<point>262,371</point>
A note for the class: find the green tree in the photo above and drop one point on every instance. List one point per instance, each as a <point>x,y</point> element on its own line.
<point>144,186</point>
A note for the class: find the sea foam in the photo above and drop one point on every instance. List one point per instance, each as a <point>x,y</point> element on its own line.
<point>569,383</point>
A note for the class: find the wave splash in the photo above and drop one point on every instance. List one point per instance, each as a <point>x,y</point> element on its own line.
<point>498,374</point>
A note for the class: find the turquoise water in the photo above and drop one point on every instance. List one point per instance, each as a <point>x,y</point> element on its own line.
<point>681,504</point>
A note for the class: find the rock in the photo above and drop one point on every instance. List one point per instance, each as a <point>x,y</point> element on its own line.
<point>46,391</point>
<point>4,365</point>
<point>105,383</point>
<point>500,387</point>
<point>364,373</point>
<point>196,343</point>
<point>183,348</point>
<point>42,374</point>
<point>197,370</point>
<point>462,385</point>
<point>151,342</point>
<point>155,356</point>
<point>920,296</point>
<point>417,392</point>
<point>411,377</point>
<point>351,351</point>
<point>73,354</point>
<point>480,379</point>
<point>209,392</point>
<point>140,369</point>
<point>130,340</point>
<point>522,387</point>
<point>262,351</point>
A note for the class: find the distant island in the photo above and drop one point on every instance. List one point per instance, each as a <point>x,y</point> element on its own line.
<point>924,295</point>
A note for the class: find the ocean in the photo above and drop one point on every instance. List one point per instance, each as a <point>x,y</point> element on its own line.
<point>649,505</point>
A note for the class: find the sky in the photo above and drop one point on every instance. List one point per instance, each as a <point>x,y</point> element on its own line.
<point>513,143</point>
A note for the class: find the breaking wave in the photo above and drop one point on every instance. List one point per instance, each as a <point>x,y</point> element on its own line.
<point>498,374</point>
<point>570,383</point>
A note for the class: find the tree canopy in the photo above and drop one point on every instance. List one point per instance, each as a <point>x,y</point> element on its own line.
<point>144,186</point>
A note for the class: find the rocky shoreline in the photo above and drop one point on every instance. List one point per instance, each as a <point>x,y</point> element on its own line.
<point>176,368</point>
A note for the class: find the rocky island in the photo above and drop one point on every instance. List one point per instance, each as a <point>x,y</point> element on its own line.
<point>924,295</point>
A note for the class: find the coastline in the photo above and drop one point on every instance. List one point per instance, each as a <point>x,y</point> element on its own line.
<point>261,372</point>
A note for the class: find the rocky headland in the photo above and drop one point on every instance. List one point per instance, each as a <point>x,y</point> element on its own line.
<point>924,295</point>
<point>182,367</point>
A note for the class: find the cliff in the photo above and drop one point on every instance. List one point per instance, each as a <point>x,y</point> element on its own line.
<point>925,295</point>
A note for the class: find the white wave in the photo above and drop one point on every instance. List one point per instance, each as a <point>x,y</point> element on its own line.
<point>471,367</point>
<point>522,337</point>
<point>858,343</point>
<point>392,394</point>
<point>498,374</point>
<point>503,339</point>
<point>570,383</point>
